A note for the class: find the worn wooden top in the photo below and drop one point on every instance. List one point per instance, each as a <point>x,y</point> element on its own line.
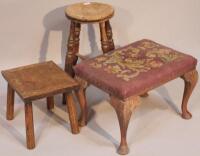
<point>89,12</point>
<point>39,80</point>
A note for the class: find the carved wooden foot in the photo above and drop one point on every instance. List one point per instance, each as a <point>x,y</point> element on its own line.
<point>72,113</point>
<point>30,138</point>
<point>124,110</point>
<point>50,103</point>
<point>190,80</point>
<point>10,103</point>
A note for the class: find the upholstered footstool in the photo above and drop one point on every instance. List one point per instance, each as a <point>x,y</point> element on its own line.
<point>36,81</point>
<point>133,70</point>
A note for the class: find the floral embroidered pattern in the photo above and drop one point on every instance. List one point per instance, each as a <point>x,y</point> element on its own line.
<point>129,62</point>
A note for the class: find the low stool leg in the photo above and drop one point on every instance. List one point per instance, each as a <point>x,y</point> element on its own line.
<point>10,103</point>
<point>64,101</point>
<point>190,80</point>
<point>30,138</point>
<point>83,105</point>
<point>72,113</point>
<point>124,110</point>
<point>50,103</point>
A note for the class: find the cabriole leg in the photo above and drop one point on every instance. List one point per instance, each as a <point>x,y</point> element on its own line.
<point>124,110</point>
<point>190,80</point>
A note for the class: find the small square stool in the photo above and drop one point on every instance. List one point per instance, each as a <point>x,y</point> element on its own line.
<point>36,81</point>
<point>133,70</point>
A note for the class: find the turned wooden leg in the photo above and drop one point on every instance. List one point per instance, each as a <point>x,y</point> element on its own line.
<point>83,105</point>
<point>104,39</point>
<point>72,48</point>
<point>10,103</point>
<point>109,35</point>
<point>30,138</point>
<point>77,40</point>
<point>50,103</point>
<point>72,113</point>
<point>124,110</point>
<point>190,80</point>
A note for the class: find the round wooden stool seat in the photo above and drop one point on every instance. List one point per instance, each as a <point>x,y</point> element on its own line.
<point>83,13</point>
<point>89,12</point>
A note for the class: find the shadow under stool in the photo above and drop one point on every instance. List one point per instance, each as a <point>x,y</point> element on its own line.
<point>36,81</point>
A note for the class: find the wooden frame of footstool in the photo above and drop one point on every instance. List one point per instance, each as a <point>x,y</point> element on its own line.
<point>125,107</point>
<point>130,72</point>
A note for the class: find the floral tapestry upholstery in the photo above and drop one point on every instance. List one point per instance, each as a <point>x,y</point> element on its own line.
<point>135,68</point>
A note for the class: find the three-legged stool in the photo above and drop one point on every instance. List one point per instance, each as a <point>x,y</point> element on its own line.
<point>88,12</point>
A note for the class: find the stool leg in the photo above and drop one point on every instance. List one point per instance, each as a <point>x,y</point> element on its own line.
<point>124,110</point>
<point>10,103</point>
<point>104,38</point>
<point>109,35</point>
<point>72,113</point>
<point>76,41</point>
<point>190,80</point>
<point>83,104</point>
<point>72,47</point>
<point>50,103</point>
<point>30,138</point>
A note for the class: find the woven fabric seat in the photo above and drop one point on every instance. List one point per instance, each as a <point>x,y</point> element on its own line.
<point>134,69</point>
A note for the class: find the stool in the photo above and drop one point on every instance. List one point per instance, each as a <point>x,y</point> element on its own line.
<point>130,71</point>
<point>88,12</point>
<point>37,81</point>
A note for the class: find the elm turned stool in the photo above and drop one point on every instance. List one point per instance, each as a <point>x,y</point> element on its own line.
<point>37,81</point>
<point>88,12</point>
<point>130,71</point>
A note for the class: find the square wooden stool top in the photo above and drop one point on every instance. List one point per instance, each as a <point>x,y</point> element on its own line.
<point>39,80</point>
<point>42,80</point>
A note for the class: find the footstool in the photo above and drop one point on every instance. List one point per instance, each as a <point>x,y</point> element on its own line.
<point>37,81</point>
<point>130,71</point>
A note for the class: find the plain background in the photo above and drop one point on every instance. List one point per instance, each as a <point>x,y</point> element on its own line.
<point>33,31</point>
